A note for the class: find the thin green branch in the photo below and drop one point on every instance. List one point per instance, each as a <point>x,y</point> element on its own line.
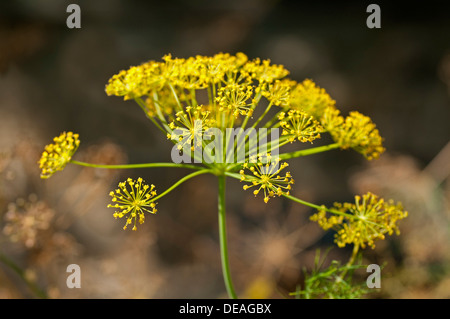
<point>142,105</point>
<point>350,261</point>
<point>179,182</point>
<point>262,115</point>
<point>309,151</point>
<point>175,95</point>
<point>223,239</point>
<point>323,207</point>
<point>131,166</point>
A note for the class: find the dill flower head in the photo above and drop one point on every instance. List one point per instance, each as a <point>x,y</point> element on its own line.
<point>230,80</point>
<point>264,71</point>
<point>134,82</point>
<point>165,102</point>
<point>189,127</point>
<point>278,93</point>
<point>236,98</point>
<point>355,131</point>
<point>362,135</point>
<point>361,223</point>
<point>266,177</point>
<point>331,119</point>
<point>132,199</point>
<point>218,91</point>
<point>58,154</point>
<point>299,125</point>
<point>310,98</point>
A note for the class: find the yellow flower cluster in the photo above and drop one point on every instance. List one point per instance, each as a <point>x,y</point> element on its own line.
<point>233,84</point>
<point>133,199</point>
<point>165,102</point>
<point>263,71</point>
<point>362,223</point>
<point>355,131</point>
<point>193,73</point>
<point>189,127</point>
<point>266,176</point>
<point>299,125</point>
<point>58,154</point>
<point>279,92</point>
<point>236,98</point>
<point>310,98</point>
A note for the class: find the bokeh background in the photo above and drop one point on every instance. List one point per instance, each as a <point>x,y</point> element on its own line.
<point>52,79</point>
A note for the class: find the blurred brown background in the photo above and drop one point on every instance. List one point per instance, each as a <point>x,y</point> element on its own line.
<point>52,79</point>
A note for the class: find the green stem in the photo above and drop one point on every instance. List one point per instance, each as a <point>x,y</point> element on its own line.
<point>309,151</point>
<point>159,113</point>
<point>351,260</point>
<point>175,95</point>
<point>243,143</point>
<point>223,239</point>
<point>270,145</point>
<point>193,98</point>
<point>210,98</point>
<point>36,290</point>
<point>254,105</point>
<point>130,166</point>
<point>354,254</point>
<point>332,211</point>
<point>262,115</point>
<point>171,188</point>
<point>274,118</point>
<point>142,105</point>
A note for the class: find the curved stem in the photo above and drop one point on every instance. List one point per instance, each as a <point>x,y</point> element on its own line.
<point>332,211</point>
<point>223,239</point>
<point>144,165</point>
<point>182,180</point>
<point>309,151</point>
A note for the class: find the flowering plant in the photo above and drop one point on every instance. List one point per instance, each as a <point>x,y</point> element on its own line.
<point>219,112</point>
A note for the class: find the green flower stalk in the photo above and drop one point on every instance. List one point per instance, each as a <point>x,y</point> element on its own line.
<point>217,113</point>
